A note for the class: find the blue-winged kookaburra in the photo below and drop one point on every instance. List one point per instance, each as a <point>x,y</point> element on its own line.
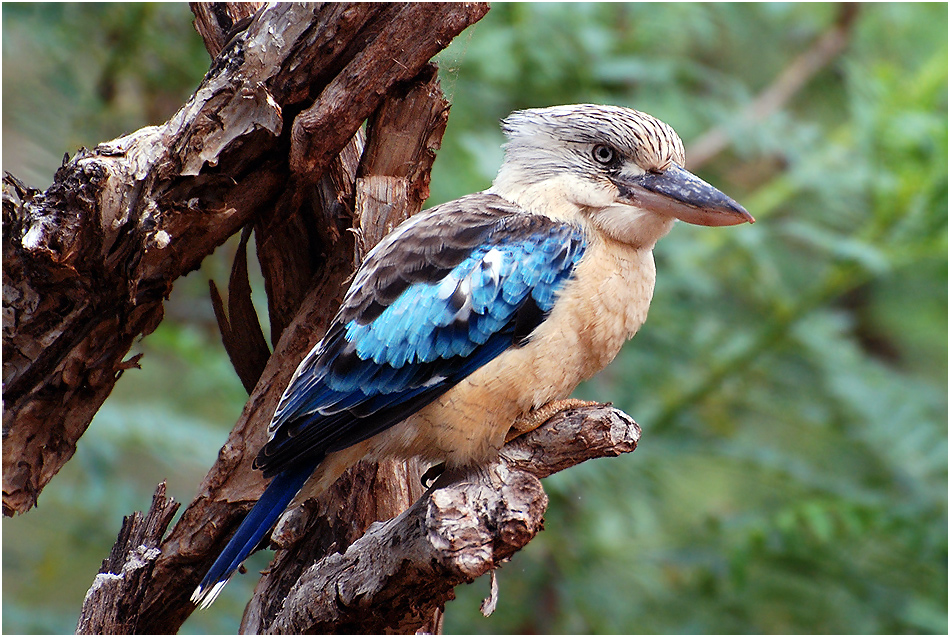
<point>481,311</point>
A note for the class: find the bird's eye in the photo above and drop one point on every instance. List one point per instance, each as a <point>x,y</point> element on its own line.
<point>604,154</point>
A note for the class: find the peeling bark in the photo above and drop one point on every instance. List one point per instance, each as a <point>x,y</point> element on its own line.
<point>125,573</point>
<point>270,141</point>
<point>401,143</point>
<point>88,263</point>
<point>277,84</point>
<point>462,528</point>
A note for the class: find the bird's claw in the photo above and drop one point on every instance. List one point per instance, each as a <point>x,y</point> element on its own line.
<point>542,414</point>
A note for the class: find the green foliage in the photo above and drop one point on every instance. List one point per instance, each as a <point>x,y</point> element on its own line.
<point>790,382</point>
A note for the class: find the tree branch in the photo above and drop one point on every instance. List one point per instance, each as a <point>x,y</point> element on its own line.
<point>324,206</point>
<point>388,578</point>
<point>88,263</point>
<point>392,185</point>
<point>125,573</point>
<point>218,22</point>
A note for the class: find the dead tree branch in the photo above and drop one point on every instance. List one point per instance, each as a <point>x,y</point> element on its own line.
<point>125,573</point>
<point>88,263</point>
<point>269,141</point>
<point>390,577</point>
<point>391,185</point>
<point>382,52</point>
<point>218,22</point>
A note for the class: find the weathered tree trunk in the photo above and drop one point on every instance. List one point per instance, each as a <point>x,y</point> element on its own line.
<point>88,263</point>
<point>271,143</point>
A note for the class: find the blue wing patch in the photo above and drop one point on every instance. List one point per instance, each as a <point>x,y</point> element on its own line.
<point>390,353</point>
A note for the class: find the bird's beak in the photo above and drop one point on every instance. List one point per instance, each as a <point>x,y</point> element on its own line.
<point>679,193</point>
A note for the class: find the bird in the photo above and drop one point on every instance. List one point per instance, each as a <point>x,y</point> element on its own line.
<point>484,311</point>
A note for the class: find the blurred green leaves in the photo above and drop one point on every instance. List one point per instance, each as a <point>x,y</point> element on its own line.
<point>75,75</point>
<point>790,381</point>
<point>791,378</point>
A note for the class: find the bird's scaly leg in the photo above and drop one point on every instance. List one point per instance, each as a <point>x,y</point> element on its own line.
<point>541,415</point>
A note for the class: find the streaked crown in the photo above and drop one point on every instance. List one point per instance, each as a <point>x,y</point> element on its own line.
<point>650,143</point>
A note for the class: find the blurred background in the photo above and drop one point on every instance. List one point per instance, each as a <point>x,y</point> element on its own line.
<point>791,381</point>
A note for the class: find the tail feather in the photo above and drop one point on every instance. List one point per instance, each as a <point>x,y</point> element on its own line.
<point>255,526</point>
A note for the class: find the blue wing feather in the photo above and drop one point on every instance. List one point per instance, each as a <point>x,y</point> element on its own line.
<point>429,334</point>
<point>433,302</point>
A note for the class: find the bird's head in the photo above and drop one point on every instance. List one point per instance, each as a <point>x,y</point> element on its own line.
<point>619,168</point>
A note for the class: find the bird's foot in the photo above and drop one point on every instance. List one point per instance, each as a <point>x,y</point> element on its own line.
<point>542,414</point>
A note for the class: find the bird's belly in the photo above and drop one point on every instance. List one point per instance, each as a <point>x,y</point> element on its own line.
<point>598,310</point>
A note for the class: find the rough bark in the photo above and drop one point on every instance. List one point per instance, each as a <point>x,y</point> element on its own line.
<point>269,141</point>
<point>218,22</point>
<point>462,528</point>
<point>392,185</point>
<point>314,216</point>
<point>123,578</point>
<point>88,263</point>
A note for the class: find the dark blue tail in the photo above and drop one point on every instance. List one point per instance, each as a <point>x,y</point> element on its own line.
<point>255,526</point>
